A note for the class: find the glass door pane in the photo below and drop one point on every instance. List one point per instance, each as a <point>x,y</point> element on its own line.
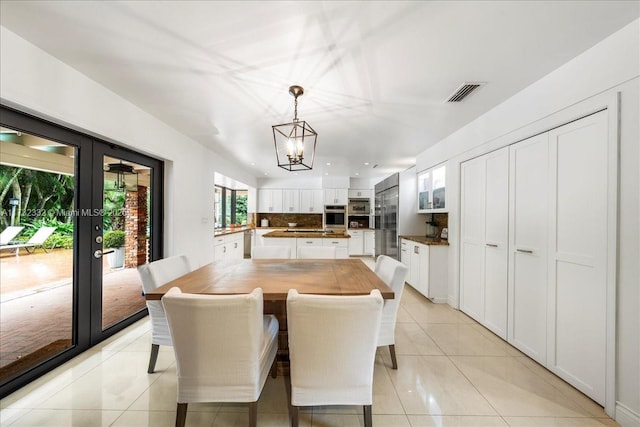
<point>126,228</point>
<point>37,224</point>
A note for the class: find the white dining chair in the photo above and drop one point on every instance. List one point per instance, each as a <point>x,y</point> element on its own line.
<point>270,252</point>
<point>317,252</point>
<point>393,273</point>
<point>332,346</point>
<point>224,348</point>
<point>153,275</point>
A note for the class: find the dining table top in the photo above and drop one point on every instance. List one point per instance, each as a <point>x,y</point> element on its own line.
<point>277,276</point>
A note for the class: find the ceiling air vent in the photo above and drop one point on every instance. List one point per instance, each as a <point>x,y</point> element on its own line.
<point>463,91</point>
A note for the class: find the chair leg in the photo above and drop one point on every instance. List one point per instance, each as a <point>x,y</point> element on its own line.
<point>368,420</point>
<point>181,414</point>
<point>253,414</point>
<point>295,412</point>
<point>153,358</point>
<point>394,362</point>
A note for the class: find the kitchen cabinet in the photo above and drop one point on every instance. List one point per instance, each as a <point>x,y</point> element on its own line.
<point>427,266</point>
<point>431,190</point>
<point>291,201</point>
<point>484,231</point>
<point>556,258</point>
<point>336,196</point>
<point>269,200</point>
<point>341,245</point>
<point>356,242</point>
<point>369,242</point>
<point>229,246</point>
<point>359,194</point>
<point>311,201</point>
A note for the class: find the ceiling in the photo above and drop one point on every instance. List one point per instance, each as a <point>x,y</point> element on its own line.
<point>376,74</point>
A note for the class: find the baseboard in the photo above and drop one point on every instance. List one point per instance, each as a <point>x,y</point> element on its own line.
<point>452,302</point>
<point>626,417</point>
<point>439,300</point>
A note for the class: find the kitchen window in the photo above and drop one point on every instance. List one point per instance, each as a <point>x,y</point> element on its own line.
<point>230,206</point>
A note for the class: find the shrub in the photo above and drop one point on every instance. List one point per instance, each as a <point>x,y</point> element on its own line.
<point>113,239</point>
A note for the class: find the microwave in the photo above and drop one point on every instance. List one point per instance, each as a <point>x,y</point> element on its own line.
<point>359,207</point>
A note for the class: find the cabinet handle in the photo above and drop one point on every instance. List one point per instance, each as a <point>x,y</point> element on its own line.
<point>308,242</point>
<point>334,243</point>
<point>235,245</point>
<point>491,245</point>
<point>416,249</point>
<point>525,251</point>
<point>224,249</point>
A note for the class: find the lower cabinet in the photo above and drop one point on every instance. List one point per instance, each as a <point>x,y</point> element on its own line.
<point>370,242</point>
<point>341,245</point>
<point>356,242</point>
<point>230,246</point>
<point>427,268</point>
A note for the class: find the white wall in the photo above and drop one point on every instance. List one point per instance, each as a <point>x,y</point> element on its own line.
<point>583,85</point>
<point>34,81</point>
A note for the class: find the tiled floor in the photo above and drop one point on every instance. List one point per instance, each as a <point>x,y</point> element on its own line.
<point>452,372</point>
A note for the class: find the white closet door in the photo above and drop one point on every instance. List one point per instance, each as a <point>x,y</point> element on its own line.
<point>496,241</point>
<point>578,254</point>
<point>528,188</point>
<point>472,232</point>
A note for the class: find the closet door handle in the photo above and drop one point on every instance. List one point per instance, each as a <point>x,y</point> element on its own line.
<point>491,245</point>
<point>525,251</point>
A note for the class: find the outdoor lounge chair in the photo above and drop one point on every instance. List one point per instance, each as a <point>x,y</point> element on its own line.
<point>37,240</point>
<point>8,234</point>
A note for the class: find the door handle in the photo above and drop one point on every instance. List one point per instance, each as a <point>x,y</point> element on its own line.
<point>97,254</point>
<point>525,251</point>
<point>491,245</point>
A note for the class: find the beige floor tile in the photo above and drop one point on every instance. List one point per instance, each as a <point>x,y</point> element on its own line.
<point>385,398</point>
<point>455,421</point>
<point>411,339</point>
<point>499,342</point>
<point>10,415</point>
<point>462,339</point>
<point>514,391</point>
<point>115,384</point>
<point>404,316</point>
<point>241,419</point>
<point>162,419</point>
<point>433,385</point>
<point>336,420</point>
<point>559,422</point>
<point>65,417</point>
<point>428,312</point>
<point>592,408</point>
<point>390,420</point>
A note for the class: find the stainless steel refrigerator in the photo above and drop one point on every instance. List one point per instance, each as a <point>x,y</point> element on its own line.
<point>386,216</point>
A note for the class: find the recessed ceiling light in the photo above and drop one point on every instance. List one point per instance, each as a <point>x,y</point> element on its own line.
<point>357,173</point>
<point>253,163</point>
<point>326,173</point>
<point>328,164</point>
<point>366,163</point>
<point>266,173</point>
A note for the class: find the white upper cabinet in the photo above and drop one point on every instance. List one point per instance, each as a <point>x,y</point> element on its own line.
<point>431,189</point>
<point>336,196</point>
<point>291,201</point>
<point>359,194</point>
<point>269,200</point>
<point>311,201</point>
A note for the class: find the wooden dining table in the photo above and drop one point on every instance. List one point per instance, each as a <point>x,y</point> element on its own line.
<point>276,277</point>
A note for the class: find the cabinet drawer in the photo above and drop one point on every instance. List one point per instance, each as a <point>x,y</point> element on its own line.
<point>339,243</point>
<point>310,242</point>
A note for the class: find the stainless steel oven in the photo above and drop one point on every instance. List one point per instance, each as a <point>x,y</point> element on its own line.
<point>359,207</point>
<point>335,216</point>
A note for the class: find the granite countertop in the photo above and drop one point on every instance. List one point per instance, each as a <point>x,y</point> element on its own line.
<point>427,240</point>
<point>307,234</point>
<point>225,231</point>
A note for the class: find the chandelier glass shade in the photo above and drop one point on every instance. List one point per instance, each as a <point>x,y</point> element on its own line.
<point>295,142</point>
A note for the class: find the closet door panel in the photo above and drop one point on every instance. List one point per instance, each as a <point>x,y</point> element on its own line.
<point>472,231</point>
<point>496,238</point>
<point>578,253</point>
<point>528,245</point>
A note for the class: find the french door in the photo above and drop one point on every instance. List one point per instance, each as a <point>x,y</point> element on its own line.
<point>102,205</point>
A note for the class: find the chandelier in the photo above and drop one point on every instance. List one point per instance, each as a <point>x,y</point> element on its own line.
<point>123,176</point>
<point>296,141</point>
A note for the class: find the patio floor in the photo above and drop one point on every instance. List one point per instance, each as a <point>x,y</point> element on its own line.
<point>36,301</point>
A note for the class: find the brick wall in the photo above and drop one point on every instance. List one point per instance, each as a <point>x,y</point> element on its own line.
<point>135,206</point>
